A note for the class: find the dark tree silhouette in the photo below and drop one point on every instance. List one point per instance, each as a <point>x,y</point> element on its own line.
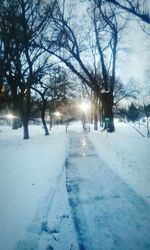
<point>133,113</point>
<point>22,25</point>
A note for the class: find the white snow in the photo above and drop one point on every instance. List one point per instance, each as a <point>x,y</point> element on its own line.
<point>127,153</point>
<point>28,172</point>
<point>31,173</point>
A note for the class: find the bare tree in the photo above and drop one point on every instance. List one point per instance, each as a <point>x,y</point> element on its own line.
<point>22,25</point>
<point>42,93</point>
<point>107,27</point>
<point>72,50</point>
<point>122,91</point>
<point>137,8</point>
<point>61,89</point>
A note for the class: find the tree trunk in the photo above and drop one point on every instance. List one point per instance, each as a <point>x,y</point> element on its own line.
<point>25,112</point>
<point>43,118</point>
<point>100,110</point>
<point>83,120</point>
<point>91,115</point>
<point>25,129</point>
<point>95,120</point>
<point>50,121</point>
<point>108,112</point>
<point>95,112</point>
<point>15,102</point>
<point>44,125</point>
<point>148,130</point>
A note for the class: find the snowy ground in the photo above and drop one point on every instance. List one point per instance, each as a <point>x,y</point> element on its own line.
<point>35,212</point>
<point>107,213</point>
<point>28,173</point>
<point>127,153</point>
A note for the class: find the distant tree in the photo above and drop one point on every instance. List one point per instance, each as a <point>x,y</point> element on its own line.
<point>132,113</point>
<point>122,91</point>
<point>54,89</point>
<point>61,89</point>
<point>122,112</point>
<point>5,99</point>
<point>145,109</point>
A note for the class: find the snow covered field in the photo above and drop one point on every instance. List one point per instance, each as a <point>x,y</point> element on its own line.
<point>30,171</point>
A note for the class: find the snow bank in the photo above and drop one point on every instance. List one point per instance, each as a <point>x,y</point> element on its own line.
<point>28,172</point>
<point>127,153</point>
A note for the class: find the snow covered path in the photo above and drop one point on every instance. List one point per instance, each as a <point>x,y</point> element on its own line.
<point>107,213</point>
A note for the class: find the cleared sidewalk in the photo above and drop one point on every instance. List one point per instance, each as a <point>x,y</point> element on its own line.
<point>107,213</point>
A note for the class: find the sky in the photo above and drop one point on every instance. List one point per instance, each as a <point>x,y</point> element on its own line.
<point>135,62</point>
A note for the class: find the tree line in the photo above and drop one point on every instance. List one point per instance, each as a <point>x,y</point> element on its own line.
<point>36,35</point>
